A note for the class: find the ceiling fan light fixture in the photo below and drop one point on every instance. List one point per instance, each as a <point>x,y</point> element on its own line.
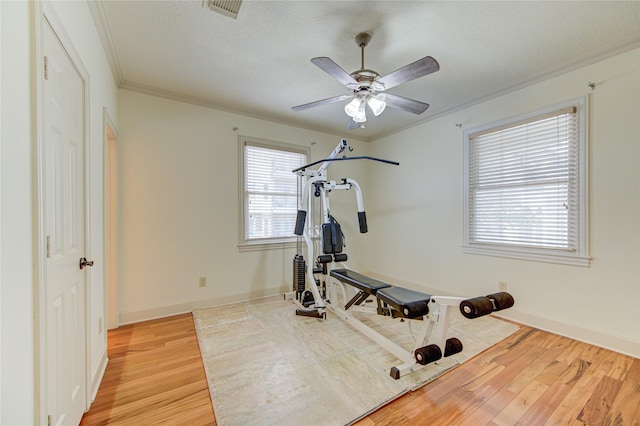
<point>377,103</point>
<point>361,115</point>
<point>352,107</point>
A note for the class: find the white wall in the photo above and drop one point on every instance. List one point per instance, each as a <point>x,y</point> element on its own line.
<point>416,212</point>
<point>19,313</point>
<point>17,286</point>
<point>179,178</point>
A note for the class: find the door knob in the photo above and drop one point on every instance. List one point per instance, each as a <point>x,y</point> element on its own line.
<point>84,262</point>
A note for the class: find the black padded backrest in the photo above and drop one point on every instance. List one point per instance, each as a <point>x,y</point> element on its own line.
<point>332,237</point>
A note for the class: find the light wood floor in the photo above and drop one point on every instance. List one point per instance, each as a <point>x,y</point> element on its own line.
<point>155,376</point>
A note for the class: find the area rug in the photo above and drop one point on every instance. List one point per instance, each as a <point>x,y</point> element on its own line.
<point>267,366</point>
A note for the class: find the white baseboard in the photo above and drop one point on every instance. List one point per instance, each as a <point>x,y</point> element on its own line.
<point>133,316</point>
<point>600,338</point>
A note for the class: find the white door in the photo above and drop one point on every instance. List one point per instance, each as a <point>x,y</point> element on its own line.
<point>64,225</point>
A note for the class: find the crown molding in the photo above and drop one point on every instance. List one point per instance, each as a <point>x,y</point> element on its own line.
<point>194,100</point>
<point>605,53</point>
<point>104,32</point>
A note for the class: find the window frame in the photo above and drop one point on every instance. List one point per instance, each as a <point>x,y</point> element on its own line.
<point>245,244</point>
<point>577,257</point>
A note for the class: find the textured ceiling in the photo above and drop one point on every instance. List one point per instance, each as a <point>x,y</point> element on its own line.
<point>259,64</point>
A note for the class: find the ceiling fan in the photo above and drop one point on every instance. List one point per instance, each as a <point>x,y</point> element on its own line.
<point>367,87</point>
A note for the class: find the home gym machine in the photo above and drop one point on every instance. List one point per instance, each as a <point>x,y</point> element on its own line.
<point>328,284</point>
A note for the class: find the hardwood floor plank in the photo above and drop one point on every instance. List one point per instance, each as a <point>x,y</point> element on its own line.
<point>572,352</point>
<point>634,371</point>
<point>591,353</point>
<point>484,413</point>
<point>143,387</point>
<point>575,371</point>
<point>527,375</point>
<point>481,377</point>
<point>570,407</point>
<point>551,341</point>
<point>620,366</point>
<point>624,405</point>
<point>605,362</point>
<point>438,390</point>
<point>520,404</point>
<point>551,373</point>
<point>388,416</point>
<point>545,405</point>
<point>600,402</point>
<point>410,405</point>
<point>636,417</point>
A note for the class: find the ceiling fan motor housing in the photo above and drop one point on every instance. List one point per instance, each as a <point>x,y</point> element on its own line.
<point>363,39</point>
<point>364,76</point>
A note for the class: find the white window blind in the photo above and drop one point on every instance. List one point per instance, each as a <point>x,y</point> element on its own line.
<point>524,186</point>
<point>270,191</point>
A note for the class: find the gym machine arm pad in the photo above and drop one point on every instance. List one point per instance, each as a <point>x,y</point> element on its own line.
<point>362,220</point>
<point>300,218</point>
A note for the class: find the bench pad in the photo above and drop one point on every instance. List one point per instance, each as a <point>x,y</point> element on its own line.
<point>364,283</point>
<point>410,303</point>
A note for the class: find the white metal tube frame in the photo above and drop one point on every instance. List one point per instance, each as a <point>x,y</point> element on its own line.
<point>432,329</point>
<point>310,229</point>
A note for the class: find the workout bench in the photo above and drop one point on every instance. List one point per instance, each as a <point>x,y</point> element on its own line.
<point>432,313</point>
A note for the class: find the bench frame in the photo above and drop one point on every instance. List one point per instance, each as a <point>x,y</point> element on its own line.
<point>431,329</point>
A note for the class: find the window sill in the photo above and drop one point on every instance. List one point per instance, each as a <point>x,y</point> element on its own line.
<point>534,255</point>
<point>267,245</point>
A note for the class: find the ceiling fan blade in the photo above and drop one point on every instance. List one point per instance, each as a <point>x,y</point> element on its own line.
<point>352,124</point>
<point>327,65</point>
<point>419,68</point>
<point>321,102</point>
<point>406,104</point>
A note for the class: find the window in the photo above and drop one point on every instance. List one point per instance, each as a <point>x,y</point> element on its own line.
<point>269,203</point>
<point>526,187</point>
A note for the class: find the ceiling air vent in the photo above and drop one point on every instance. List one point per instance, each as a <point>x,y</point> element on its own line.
<point>228,8</point>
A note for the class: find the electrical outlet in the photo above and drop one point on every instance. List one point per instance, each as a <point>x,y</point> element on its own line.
<point>502,285</point>
<point>202,282</point>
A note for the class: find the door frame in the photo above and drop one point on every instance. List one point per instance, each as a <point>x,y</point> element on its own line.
<point>44,14</point>
<point>112,289</point>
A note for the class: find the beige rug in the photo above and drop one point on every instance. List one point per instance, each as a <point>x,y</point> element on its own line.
<point>267,366</point>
